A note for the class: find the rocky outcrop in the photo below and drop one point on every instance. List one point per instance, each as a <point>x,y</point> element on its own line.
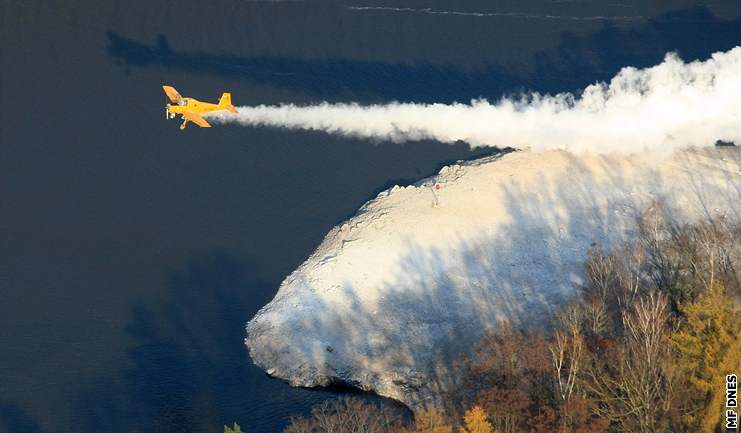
<point>393,295</point>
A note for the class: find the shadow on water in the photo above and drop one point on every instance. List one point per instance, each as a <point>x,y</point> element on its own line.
<point>14,419</point>
<point>577,61</point>
<point>330,79</point>
<point>644,46</point>
<point>188,369</point>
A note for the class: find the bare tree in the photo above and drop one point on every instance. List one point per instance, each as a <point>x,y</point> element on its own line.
<point>612,284</point>
<point>348,415</point>
<point>635,386</point>
<point>595,317</point>
<point>299,425</point>
<point>664,263</point>
<point>715,250</point>
<point>600,273</point>
<point>566,355</point>
<point>645,326</point>
<point>567,352</point>
<point>630,262</point>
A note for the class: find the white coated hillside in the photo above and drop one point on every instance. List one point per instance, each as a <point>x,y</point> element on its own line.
<point>392,295</point>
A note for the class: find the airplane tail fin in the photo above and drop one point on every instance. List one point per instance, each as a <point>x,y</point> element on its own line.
<point>226,102</point>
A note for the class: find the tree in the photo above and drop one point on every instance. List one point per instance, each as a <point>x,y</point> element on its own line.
<point>707,346</point>
<point>475,421</point>
<point>684,260</point>
<point>513,378</point>
<point>612,284</point>
<point>634,382</point>
<point>235,429</point>
<point>509,408</point>
<point>665,246</point>
<point>430,420</point>
<point>566,352</point>
<point>347,415</point>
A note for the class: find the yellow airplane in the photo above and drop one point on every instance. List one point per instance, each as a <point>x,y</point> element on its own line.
<point>191,109</point>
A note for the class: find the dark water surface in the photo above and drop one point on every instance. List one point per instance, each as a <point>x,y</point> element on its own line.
<point>132,254</point>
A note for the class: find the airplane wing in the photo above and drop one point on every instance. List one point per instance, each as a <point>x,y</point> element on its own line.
<point>172,94</point>
<point>198,120</point>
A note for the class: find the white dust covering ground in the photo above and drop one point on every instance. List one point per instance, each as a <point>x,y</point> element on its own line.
<point>392,295</point>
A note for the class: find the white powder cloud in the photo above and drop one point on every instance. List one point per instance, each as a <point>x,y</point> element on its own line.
<point>658,109</point>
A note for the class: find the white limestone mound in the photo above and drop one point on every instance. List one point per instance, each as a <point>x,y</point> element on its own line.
<point>391,296</point>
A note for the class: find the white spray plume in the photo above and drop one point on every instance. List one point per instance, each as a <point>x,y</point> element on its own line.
<point>658,109</point>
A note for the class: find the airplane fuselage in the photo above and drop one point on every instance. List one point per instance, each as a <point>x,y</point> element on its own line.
<point>191,105</point>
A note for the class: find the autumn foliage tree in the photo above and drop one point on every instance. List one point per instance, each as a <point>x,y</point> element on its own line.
<point>430,420</point>
<point>475,421</point>
<point>707,348</point>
